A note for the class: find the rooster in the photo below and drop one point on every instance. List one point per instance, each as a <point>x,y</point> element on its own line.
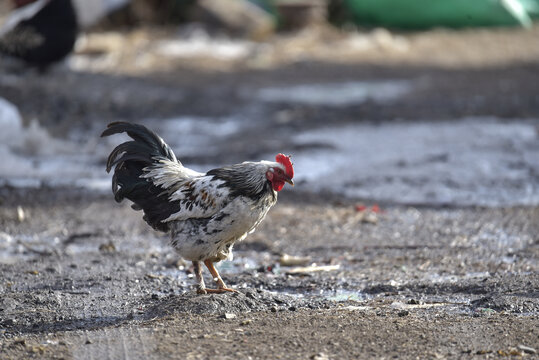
<point>205,214</point>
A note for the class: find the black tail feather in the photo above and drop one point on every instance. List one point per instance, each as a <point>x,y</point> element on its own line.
<point>130,150</point>
<point>129,159</point>
<point>141,135</point>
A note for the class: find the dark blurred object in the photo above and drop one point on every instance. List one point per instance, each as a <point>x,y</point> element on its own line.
<point>146,12</point>
<point>21,3</point>
<point>338,13</point>
<point>297,14</point>
<point>161,11</point>
<point>40,33</point>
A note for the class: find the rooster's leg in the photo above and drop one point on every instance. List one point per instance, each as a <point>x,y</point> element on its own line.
<point>200,280</point>
<point>221,287</point>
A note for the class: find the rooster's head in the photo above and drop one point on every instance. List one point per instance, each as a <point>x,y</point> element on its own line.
<point>282,171</point>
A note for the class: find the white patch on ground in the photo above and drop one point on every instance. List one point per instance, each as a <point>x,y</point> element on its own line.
<point>200,44</point>
<point>32,158</point>
<point>467,162</point>
<point>337,94</point>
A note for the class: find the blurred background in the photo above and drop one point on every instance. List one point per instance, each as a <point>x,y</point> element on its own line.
<point>413,126</point>
<point>396,101</point>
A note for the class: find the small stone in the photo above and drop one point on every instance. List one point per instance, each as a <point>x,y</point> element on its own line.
<point>246,322</point>
<point>291,260</point>
<point>21,215</point>
<point>251,294</point>
<point>398,305</point>
<point>403,313</point>
<point>155,296</point>
<point>320,356</point>
<point>292,308</point>
<point>527,349</point>
<point>19,342</point>
<point>483,352</point>
<point>88,341</point>
<point>510,352</point>
<point>151,276</point>
<point>107,247</point>
<point>274,309</point>
<point>229,316</point>
<point>38,349</point>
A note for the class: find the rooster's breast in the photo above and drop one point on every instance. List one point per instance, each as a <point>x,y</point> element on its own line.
<point>199,239</point>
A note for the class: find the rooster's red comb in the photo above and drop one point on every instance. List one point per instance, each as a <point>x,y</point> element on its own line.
<point>285,160</point>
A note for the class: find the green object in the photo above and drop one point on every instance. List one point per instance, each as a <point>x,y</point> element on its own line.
<point>421,14</point>
<point>532,7</point>
<point>269,7</point>
<point>266,5</point>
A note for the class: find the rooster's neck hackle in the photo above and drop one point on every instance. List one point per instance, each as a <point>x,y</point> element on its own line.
<point>245,179</point>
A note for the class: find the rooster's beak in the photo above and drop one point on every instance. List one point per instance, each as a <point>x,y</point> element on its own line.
<point>288,180</point>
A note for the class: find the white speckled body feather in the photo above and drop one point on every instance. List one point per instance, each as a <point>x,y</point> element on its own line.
<point>213,238</point>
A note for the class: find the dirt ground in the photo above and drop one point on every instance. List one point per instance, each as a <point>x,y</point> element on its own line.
<point>85,278</point>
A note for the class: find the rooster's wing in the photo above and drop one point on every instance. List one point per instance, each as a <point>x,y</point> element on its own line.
<point>147,172</point>
<point>196,195</point>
